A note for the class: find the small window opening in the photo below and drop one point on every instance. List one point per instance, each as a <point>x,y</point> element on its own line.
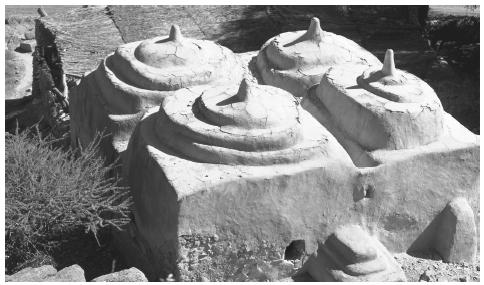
<point>369,192</point>
<point>295,250</point>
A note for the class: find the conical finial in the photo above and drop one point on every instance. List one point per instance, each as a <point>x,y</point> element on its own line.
<point>245,91</point>
<point>314,31</point>
<point>389,63</point>
<point>175,34</point>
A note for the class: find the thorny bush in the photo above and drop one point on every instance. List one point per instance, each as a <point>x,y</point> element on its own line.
<point>51,192</point>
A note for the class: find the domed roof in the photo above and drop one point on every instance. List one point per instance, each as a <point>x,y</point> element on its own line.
<point>172,62</point>
<point>254,124</point>
<point>295,61</point>
<point>173,51</point>
<point>381,107</point>
<point>394,84</point>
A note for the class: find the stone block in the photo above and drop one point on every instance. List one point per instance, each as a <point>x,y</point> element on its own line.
<point>27,46</point>
<point>30,274</point>
<point>29,35</point>
<point>73,273</point>
<point>456,237</point>
<point>128,275</point>
<point>48,273</point>
<point>350,254</point>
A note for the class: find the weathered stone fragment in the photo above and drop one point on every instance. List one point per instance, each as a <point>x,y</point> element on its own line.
<point>295,61</point>
<point>48,273</point>
<point>350,254</point>
<point>27,46</point>
<point>127,275</point>
<point>73,273</point>
<point>456,237</point>
<point>30,274</point>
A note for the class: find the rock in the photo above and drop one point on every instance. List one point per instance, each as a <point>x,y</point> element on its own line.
<point>73,273</point>
<point>255,273</point>
<point>127,275</point>
<point>48,273</point>
<point>463,279</point>
<point>29,35</point>
<point>350,254</point>
<point>456,237</point>
<point>27,46</point>
<point>30,274</point>
<point>427,276</point>
<point>41,12</point>
<point>241,277</point>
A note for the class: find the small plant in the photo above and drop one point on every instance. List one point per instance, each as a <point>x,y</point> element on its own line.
<point>51,193</point>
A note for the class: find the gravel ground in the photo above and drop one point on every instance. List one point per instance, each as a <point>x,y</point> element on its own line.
<point>433,269</point>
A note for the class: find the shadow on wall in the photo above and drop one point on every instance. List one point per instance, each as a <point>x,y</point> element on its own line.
<point>250,31</point>
<point>257,24</point>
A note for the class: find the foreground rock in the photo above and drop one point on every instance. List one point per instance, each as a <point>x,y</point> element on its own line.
<point>350,255</point>
<point>74,273</point>
<point>457,240</point>
<point>27,46</point>
<point>127,275</point>
<point>48,273</point>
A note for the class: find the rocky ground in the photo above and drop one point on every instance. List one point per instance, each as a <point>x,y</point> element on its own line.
<point>73,273</point>
<point>432,269</point>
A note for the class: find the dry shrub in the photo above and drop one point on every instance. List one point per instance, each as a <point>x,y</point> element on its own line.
<point>51,192</point>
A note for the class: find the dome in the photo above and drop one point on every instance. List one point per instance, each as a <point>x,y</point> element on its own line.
<point>295,61</point>
<point>394,84</point>
<point>381,107</point>
<point>252,124</point>
<point>173,51</point>
<point>143,73</point>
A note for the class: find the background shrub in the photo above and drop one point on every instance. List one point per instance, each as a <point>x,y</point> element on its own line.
<point>51,193</point>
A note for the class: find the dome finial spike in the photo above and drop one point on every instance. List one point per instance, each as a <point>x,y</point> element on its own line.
<point>389,63</point>
<point>244,89</point>
<point>314,31</point>
<point>175,33</point>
